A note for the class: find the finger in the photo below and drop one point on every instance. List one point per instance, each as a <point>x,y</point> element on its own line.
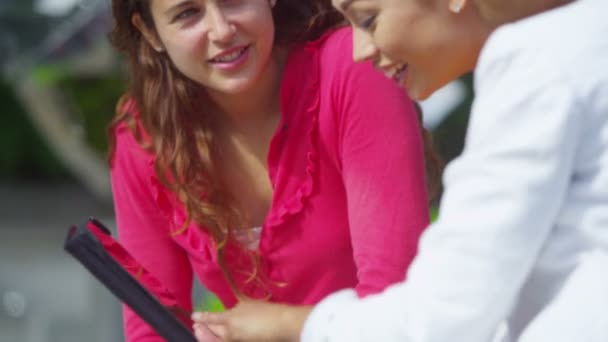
<point>218,330</point>
<point>211,317</point>
<point>203,317</point>
<point>204,334</point>
<point>199,334</point>
<point>197,317</point>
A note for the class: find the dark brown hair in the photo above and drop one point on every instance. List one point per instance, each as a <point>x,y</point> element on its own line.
<point>182,139</point>
<point>434,164</point>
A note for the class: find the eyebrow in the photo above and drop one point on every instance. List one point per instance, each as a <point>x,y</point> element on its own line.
<point>178,6</point>
<point>346,4</point>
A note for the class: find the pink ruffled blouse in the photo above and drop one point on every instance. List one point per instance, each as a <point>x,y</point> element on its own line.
<point>349,202</point>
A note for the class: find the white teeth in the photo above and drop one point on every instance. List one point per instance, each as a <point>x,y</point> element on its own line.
<point>394,72</point>
<point>400,72</point>
<point>229,57</point>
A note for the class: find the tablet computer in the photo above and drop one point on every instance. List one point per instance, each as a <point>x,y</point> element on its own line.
<point>92,244</point>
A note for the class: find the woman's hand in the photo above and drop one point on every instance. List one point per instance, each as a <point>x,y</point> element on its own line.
<point>254,321</point>
<point>204,334</point>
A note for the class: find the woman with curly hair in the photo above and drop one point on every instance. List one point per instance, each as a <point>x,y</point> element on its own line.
<point>252,153</point>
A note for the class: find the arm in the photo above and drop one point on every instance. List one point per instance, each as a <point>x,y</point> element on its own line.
<point>381,155</point>
<point>502,198</point>
<point>144,231</point>
<point>581,303</point>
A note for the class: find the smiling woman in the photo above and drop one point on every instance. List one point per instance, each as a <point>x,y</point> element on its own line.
<point>248,152</point>
<point>440,46</point>
<point>178,30</point>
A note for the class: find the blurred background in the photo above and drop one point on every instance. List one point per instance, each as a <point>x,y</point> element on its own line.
<point>59,82</point>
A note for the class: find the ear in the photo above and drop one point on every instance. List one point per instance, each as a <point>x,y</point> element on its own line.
<point>457,5</point>
<point>148,34</point>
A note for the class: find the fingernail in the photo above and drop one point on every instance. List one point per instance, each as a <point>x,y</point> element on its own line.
<point>197,316</point>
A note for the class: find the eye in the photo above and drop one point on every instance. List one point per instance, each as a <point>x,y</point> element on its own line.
<point>185,14</point>
<point>368,22</point>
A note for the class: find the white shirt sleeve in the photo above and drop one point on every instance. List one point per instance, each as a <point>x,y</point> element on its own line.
<point>501,200</point>
<point>580,310</point>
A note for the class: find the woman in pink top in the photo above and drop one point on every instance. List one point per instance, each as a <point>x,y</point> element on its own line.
<point>252,152</point>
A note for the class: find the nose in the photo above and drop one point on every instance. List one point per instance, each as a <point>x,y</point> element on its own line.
<point>221,29</point>
<point>363,46</point>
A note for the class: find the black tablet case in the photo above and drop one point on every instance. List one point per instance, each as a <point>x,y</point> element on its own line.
<point>82,243</point>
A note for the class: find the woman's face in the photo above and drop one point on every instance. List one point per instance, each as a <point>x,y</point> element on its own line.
<point>224,45</point>
<point>418,43</point>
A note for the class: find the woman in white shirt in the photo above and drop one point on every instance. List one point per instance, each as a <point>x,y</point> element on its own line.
<point>522,235</point>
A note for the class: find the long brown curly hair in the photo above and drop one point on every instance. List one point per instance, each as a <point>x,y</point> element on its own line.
<point>182,140</point>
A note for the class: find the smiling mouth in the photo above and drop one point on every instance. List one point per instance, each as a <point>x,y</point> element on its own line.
<point>230,57</point>
<point>396,73</point>
<point>400,73</point>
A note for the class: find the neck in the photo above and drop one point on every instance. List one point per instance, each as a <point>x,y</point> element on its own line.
<point>474,33</point>
<point>255,106</point>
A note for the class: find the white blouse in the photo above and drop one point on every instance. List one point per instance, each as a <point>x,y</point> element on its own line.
<point>522,236</point>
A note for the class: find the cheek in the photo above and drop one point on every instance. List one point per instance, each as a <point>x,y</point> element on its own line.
<point>394,34</point>
<point>185,45</point>
<point>251,16</point>
<point>391,43</point>
<point>189,56</point>
<point>258,29</point>
<point>258,26</point>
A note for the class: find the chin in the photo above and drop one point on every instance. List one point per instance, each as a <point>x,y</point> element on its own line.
<point>236,86</point>
<point>419,90</point>
<point>418,93</point>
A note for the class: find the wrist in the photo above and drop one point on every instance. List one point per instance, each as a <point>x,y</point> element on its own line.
<point>293,319</point>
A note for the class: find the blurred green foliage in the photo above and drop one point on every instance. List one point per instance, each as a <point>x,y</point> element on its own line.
<point>210,304</point>
<point>96,100</point>
<point>23,153</point>
<point>49,74</point>
<point>449,136</point>
<point>434,213</point>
